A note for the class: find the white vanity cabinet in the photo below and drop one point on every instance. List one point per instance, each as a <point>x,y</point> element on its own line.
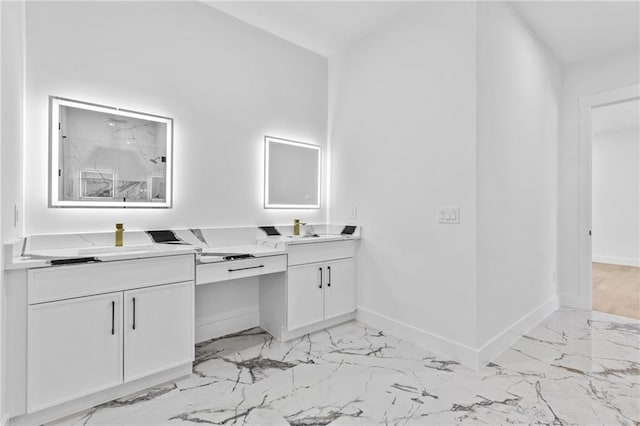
<point>320,291</point>
<point>305,295</point>
<point>319,287</point>
<point>75,346</point>
<point>137,322</point>
<point>158,329</point>
<point>340,288</point>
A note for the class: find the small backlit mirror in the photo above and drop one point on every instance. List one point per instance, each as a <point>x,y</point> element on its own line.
<point>292,174</point>
<point>108,157</point>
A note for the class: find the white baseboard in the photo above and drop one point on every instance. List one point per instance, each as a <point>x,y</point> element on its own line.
<point>437,344</point>
<point>511,334</point>
<point>465,355</point>
<point>213,326</point>
<point>625,261</point>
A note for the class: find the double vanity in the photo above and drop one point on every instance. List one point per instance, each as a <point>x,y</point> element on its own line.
<point>122,319</point>
<point>87,319</point>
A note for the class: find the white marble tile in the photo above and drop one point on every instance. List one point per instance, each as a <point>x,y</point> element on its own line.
<point>575,368</point>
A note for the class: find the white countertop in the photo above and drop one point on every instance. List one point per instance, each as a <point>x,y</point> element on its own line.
<point>42,258</point>
<point>38,251</point>
<point>282,241</point>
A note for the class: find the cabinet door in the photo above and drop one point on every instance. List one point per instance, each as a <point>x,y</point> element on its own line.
<point>158,329</point>
<point>304,295</point>
<point>340,288</point>
<point>74,348</point>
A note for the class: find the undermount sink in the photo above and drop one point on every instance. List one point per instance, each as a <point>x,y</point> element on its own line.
<point>113,249</point>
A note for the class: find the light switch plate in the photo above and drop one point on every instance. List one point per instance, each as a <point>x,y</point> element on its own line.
<point>449,215</point>
<point>354,213</point>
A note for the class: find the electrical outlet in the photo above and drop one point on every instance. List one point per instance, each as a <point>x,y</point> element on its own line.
<point>354,213</point>
<point>449,215</point>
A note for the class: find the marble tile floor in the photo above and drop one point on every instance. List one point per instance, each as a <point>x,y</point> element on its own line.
<point>577,367</point>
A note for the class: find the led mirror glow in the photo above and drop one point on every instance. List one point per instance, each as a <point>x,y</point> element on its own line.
<point>292,174</point>
<point>108,157</point>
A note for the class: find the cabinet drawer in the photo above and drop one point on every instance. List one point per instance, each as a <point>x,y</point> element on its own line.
<point>222,271</point>
<point>319,252</point>
<point>64,282</point>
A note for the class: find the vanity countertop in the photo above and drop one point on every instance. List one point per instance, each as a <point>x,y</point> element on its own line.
<point>43,258</point>
<point>217,254</point>
<point>209,245</point>
<point>282,241</point>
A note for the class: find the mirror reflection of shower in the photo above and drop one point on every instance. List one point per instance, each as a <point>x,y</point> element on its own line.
<point>108,157</point>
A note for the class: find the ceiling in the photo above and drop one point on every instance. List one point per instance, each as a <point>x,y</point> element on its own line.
<point>579,30</point>
<point>573,30</point>
<point>624,115</point>
<point>324,27</point>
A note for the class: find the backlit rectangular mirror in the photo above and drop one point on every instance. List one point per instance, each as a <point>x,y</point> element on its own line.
<point>292,174</point>
<point>108,157</point>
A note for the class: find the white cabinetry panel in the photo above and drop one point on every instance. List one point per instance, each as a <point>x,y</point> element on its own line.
<point>340,289</point>
<point>305,295</point>
<point>64,282</point>
<point>74,348</point>
<point>158,329</point>
<point>300,254</point>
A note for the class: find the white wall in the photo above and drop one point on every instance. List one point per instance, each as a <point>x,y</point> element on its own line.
<point>12,108</point>
<point>433,111</point>
<point>2,311</point>
<point>616,196</point>
<point>518,89</point>
<point>579,79</point>
<point>403,143</point>
<point>12,21</point>
<point>225,83</point>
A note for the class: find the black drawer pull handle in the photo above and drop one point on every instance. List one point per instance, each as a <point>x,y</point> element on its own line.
<point>244,269</point>
<point>329,278</point>
<point>113,317</point>
<point>320,285</point>
<point>134,313</point>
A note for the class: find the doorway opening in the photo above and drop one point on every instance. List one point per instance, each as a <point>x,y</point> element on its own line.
<point>615,183</point>
<point>610,202</point>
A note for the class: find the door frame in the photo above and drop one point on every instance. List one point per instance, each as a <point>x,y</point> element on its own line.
<point>587,103</point>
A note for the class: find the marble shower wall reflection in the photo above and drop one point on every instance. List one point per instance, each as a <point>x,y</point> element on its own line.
<point>111,157</point>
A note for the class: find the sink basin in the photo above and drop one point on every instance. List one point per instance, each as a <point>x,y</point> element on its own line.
<point>295,237</point>
<point>115,250</point>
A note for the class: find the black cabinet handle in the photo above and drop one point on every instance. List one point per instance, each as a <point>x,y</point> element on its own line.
<point>134,313</point>
<point>244,269</point>
<point>113,317</point>
<point>329,277</point>
<point>320,285</point>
